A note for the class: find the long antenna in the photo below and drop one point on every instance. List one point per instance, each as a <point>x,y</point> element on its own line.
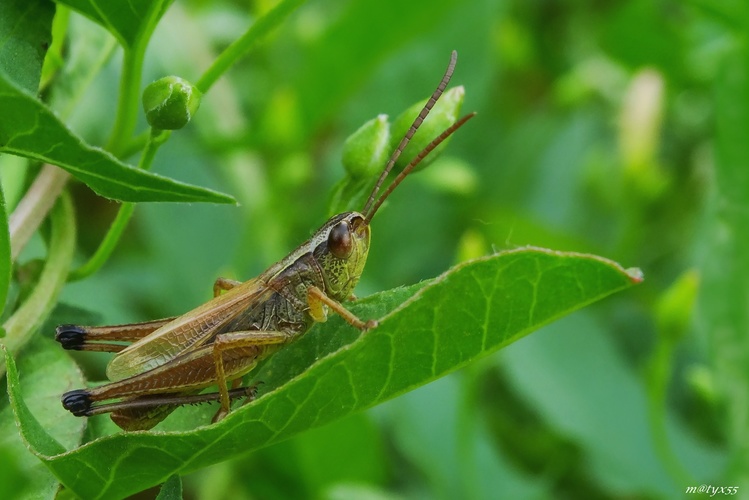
<point>417,159</point>
<point>412,130</point>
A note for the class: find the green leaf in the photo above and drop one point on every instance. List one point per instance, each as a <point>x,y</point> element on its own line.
<point>125,19</point>
<point>25,35</point>
<point>426,331</point>
<point>45,372</point>
<point>32,130</point>
<point>171,490</point>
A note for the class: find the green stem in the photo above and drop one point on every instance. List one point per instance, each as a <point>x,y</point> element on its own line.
<point>469,428</point>
<point>239,48</point>
<point>54,59</point>
<point>127,103</point>
<point>660,372</point>
<point>135,145</point>
<point>34,311</point>
<point>132,72</point>
<point>108,244</point>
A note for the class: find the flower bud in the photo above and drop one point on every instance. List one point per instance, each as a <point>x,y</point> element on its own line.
<point>702,381</point>
<point>640,126</point>
<point>444,114</point>
<point>673,310</point>
<point>366,151</point>
<point>170,102</point>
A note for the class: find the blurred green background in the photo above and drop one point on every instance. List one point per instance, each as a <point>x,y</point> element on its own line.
<point>616,128</point>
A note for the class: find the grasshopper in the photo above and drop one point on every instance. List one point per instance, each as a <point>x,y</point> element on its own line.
<point>170,361</point>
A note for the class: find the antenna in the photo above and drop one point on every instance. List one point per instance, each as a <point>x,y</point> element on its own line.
<point>423,154</point>
<point>412,130</point>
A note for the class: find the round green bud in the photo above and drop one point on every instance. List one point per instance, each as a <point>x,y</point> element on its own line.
<point>442,115</point>
<point>366,151</point>
<point>170,102</point>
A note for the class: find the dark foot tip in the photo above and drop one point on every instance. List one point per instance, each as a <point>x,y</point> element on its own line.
<point>77,402</point>
<point>252,392</point>
<point>72,337</point>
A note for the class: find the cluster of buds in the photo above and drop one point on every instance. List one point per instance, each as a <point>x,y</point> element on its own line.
<point>366,150</point>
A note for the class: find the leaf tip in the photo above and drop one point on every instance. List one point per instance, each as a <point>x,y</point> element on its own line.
<point>635,274</point>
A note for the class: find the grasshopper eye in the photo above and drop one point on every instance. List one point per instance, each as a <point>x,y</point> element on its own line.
<point>339,240</point>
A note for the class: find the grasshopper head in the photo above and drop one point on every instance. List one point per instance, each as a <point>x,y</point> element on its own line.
<point>342,252</point>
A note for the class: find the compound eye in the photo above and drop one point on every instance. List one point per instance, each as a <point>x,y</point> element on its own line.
<point>339,240</point>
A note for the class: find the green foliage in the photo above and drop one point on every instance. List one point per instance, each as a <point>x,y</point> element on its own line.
<point>594,133</point>
<point>725,267</point>
<point>24,37</point>
<point>172,489</point>
<point>31,130</point>
<point>51,372</point>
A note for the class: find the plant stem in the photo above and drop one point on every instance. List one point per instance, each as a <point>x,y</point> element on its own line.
<point>35,310</point>
<point>239,48</point>
<point>659,374</point>
<point>34,206</point>
<point>108,244</point>
<point>41,196</point>
<point>54,59</point>
<point>132,72</point>
<point>127,103</point>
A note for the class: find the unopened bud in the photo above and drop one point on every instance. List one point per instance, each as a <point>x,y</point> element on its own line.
<point>366,151</point>
<point>170,102</point>
<point>444,114</point>
<point>673,310</point>
<point>640,130</point>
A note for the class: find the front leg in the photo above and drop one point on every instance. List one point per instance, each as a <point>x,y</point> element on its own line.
<point>317,300</point>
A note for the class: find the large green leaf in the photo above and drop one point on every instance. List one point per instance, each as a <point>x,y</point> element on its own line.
<point>125,19</point>
<point>425,331</point>
<point>25,27</point>
<point>28,128</point>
